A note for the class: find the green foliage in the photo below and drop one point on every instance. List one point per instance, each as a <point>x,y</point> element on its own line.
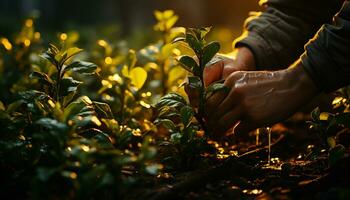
<point>330,126</point>
<point>176,113</point>
<point>52,139</point>
<point>72,129</point>
<point>204,53</point>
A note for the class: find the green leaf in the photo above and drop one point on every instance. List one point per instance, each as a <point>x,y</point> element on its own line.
<point>49,57</point>
<point>194,43</point>
<point>42,77</point>
<point>68,85</point>
<point>186,115</point>
<point>131,59</point>
<point>204,31</point>
<point>53,125</point>
<point>171,100</point>
<point>210,51</point>
<point>331,142</point>
<point>194,82</point>
<point>171,22</point>
<point>103,110</point>
<point>2,106</point>
<point>76,107</point>
<point>158,15</point>
<point>104,140</point>
<point>82,67</point>
<point>336,154</point>
<point>70,53</point>
<point>167,123</point>
<point>179,39</point>
<point>14,106</point>
<point>176,138</point>
<point>32,95</point>
<point>216,87</point>
<point>188,63</point>
<point>315,114</point>
<point>153,168</point>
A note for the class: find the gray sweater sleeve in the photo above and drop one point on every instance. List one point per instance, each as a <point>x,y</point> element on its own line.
<point>327,55</point>
<point>277,35</point>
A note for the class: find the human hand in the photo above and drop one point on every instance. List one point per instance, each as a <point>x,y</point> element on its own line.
<point>221,66</point>
<point>259,98</point>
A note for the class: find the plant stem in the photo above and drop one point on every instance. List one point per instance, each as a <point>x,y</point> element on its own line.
<point>201,109</point>
<point>122,101</point>
<point>164,79</point>
<point>58,83</point>
<point>164,75</point>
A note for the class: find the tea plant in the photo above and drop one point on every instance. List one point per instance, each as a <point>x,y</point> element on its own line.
<point>69,146</point>
<point>17,54</point>
<point>159,58</point>
<point>329,126</point>
<point>175,112</point>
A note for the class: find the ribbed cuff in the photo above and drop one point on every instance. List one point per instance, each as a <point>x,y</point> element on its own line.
<point>317,63</point>
<point>261,50</point>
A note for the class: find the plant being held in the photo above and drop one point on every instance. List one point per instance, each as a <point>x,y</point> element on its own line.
<point>195,87</point>
<point>187,135</point>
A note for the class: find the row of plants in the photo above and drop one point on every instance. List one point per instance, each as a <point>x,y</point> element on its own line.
<point>77,129</point>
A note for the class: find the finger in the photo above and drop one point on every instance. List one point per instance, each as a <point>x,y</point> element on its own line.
<point>213,73</point>
<point>225,106</point>
<point>213,102</point>
<point>228,121</point>
<point>193,95</point>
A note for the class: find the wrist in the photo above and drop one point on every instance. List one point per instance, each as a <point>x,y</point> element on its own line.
<point>245,58</point>
<point>300,80</point>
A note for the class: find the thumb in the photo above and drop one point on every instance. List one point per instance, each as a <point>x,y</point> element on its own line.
<point>213,72</point>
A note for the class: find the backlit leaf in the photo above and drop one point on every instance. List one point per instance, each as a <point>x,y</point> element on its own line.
<point>72,52</point>
<point>68,85</point>
<point>167,123</point>
<point>138,77</point>
<point>82,67</point>
<point>171,100</point>
<point>42,77</point>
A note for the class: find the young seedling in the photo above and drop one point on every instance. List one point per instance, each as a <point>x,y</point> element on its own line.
<point>176,113</point>
<point>61,86</point>
<point>204,53</point>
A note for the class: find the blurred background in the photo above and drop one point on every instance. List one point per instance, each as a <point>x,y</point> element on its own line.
<point>124,19</point>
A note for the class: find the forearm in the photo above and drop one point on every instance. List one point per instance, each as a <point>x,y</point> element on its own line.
<point>327,56</point>
<point>276,36</point>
